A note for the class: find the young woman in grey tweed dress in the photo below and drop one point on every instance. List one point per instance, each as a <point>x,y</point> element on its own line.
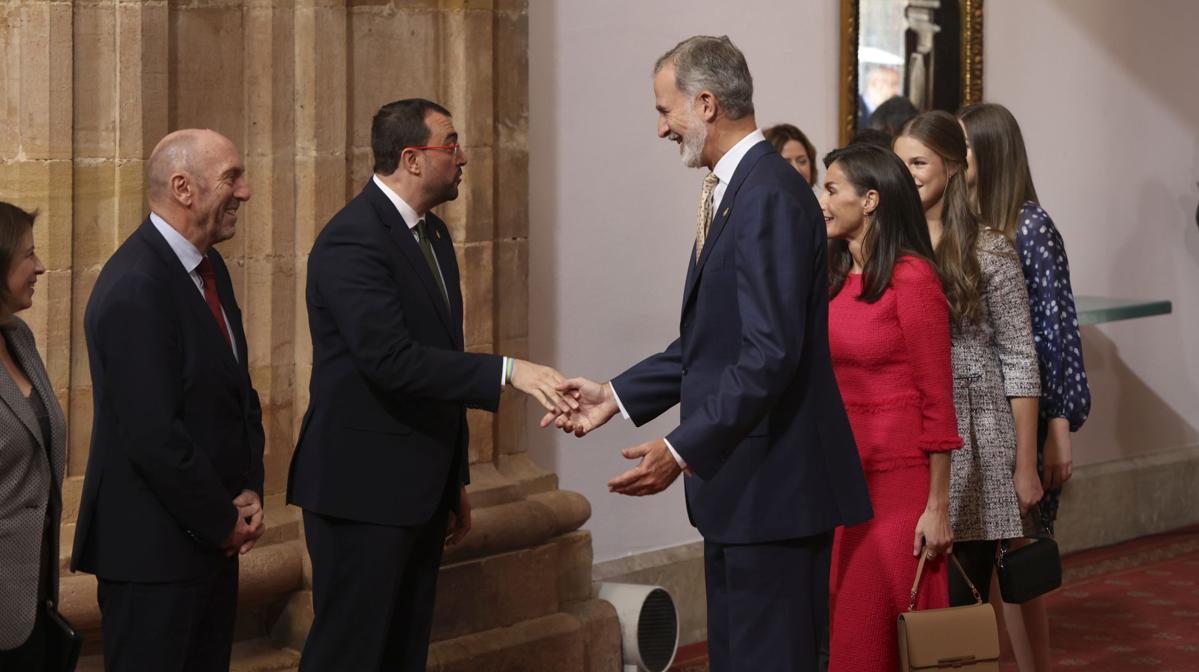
<point>1001,186</point>
<point>993,479</point>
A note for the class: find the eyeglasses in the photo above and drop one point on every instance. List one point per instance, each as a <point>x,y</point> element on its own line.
<point>454,149</point>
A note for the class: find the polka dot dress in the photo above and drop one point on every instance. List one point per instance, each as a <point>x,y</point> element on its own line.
<point>1064,389</point>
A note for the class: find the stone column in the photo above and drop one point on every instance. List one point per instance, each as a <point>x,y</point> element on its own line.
<point>36,173</point>
<point>516,595</point>
<point>92,85</point>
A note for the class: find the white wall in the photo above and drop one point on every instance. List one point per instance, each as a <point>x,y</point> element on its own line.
<point>612,208</point>
<point>1106,94</point>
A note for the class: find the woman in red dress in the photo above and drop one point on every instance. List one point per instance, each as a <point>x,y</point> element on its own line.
<point>889,338</point>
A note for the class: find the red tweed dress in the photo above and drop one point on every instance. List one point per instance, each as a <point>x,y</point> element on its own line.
<point>892,362</point>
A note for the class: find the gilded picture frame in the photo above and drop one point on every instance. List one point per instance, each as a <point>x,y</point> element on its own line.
<point>971,62</point>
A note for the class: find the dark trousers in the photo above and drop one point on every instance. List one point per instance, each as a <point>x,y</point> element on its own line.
<point>978,559</point>
<point>767,604</point>
<point>373,588</point>
<point>184,626</point>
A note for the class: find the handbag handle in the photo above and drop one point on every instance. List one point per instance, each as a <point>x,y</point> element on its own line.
<point>920,571</point>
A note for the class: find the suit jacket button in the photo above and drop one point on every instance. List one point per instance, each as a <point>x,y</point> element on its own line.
<point>684,370</point>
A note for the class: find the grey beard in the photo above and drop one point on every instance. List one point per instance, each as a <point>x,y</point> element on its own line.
<point>693,146</point>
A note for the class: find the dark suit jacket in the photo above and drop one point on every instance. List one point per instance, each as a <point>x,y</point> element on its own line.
<point>385,440</point>
<point>762,422</point>
<point>30,487</point>
<point>177,432</point>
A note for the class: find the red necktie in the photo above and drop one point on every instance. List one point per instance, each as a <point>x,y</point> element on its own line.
<point>210,296</point>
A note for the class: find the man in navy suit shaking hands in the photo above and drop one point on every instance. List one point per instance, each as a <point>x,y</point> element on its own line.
<point>763,436</point>
<point>381,465</point>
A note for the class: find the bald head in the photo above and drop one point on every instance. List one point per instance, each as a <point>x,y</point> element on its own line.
<point>195,180</point>
<point>188,151</point>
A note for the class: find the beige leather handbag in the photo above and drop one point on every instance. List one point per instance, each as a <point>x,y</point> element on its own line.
<point>956,638</point>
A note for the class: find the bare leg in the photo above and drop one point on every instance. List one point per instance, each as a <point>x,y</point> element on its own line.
<point>1013,618</point>
<point>1036,627</point>
<point>1028,629</point>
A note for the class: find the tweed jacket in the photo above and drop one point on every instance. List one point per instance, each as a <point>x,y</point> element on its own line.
<point>993,360</point>
<point>27,481</point>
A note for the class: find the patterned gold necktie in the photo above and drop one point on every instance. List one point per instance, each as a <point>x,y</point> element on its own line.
<point>704,219</point>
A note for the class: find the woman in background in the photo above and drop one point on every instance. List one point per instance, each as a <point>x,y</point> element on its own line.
<point>1002,188</point>
<point>32,457</point>
<point>996,383</point>
<point>796,149</point>
<point>889,340</point>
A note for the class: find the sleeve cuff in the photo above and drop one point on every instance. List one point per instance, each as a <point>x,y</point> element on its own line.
<point>503,373</point>
<point>930,445</point>
<point>625,414</point>
<point>675,453</point>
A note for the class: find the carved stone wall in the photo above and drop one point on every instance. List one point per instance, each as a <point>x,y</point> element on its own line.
<point>90,86</point>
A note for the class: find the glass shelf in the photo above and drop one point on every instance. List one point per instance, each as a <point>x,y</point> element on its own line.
<point>1098,309</point>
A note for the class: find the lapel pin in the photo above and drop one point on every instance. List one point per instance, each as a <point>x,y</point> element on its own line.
<point>725,213</point>
<point>437,232</point>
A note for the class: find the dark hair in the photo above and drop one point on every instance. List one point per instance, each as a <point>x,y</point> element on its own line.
<point>892,114</point>
<point>961,276</point>
<point>780,134</point>
<point>398,125</point>
<point>14,223</point>
<point>871,136</point>
<point>1003,180</point>
<point>898,227</point>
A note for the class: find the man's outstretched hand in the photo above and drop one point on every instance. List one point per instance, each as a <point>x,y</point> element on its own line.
<point>596,404</point>
<point>656,471</point>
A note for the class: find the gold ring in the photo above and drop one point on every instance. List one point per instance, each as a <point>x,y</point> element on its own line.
<point>930,555</point>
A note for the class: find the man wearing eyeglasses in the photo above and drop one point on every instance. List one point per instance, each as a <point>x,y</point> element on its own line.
<point>381,465</point>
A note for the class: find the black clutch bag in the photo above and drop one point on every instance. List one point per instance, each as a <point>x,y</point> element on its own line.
<point>1033,569</point>
<point>63,642</point>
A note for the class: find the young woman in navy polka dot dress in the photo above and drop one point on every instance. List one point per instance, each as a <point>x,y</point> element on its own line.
<point>1002,186</point>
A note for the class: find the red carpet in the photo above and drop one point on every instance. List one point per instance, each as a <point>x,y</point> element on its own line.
<point>1132,606</point>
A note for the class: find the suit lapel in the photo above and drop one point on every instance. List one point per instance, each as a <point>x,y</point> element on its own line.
<point>25,352</point>
<point>224,290</point>
<point>402,235</point>
<point>721,217</point>
<point>17,402</point>
<point>448,262</point>
<point>187,294</point>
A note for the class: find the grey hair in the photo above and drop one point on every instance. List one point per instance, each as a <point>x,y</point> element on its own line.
<point>706,63</point>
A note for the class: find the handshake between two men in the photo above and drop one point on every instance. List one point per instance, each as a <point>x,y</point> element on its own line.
<point>579,406</point>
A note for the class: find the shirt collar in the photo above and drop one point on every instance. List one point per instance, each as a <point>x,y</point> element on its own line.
<point>727,165</point>
<point>188,254</point>
<point>406,212</point>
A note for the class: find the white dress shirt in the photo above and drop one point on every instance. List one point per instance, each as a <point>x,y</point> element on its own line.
<point>412,220</point>
<point>190,257</point>
<point>724,170</point>
<point>727,166</point>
